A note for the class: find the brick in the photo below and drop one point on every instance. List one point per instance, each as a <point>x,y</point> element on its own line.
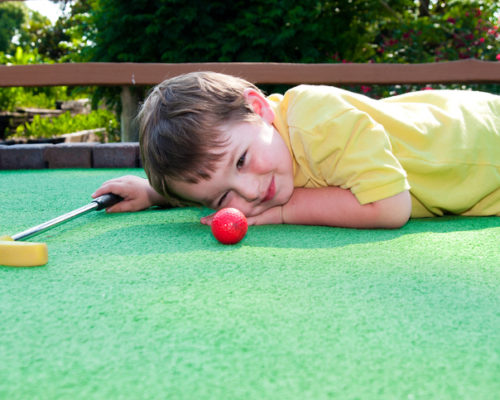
<point>74,155</point>
<point>23,156</point>
<point>116,155</point>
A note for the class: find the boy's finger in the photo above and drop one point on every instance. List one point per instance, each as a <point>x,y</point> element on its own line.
<point>97,193</point>
<point>103,189</point>
<point>116,209</point>
<point>207,220</point>
<point>252,221</point>
<point>110,188</point>
<point>123,206</point>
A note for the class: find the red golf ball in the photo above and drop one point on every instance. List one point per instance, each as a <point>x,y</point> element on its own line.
<point>229,225</point>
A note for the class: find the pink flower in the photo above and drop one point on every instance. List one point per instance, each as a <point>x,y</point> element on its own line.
<point>366,89</point>
<point>451,20</point>
<point>428,88</point>
<point>498,57</point>
<point>481,40</point>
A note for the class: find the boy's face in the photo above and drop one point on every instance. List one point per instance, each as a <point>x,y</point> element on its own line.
<point>255,173</point>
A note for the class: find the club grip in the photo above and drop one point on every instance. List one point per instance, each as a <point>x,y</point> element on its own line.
<point>107,200</point>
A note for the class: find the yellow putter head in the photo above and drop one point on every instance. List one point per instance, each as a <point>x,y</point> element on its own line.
<point>27,254</point>
<point>22,254</point>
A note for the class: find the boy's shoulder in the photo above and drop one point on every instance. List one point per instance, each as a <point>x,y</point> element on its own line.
<point>307,108</point>
<point>306,89</point>
<point>321,93</point>
<point>314,99</point>
<point>314,90</point>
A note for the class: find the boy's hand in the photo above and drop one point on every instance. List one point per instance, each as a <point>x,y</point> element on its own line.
<point>270,216</point>
<point>136,192</point>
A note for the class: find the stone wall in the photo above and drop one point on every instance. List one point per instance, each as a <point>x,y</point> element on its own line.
<point>74,155</point>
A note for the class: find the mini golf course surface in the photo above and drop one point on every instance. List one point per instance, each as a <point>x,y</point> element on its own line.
<point>149,305</point>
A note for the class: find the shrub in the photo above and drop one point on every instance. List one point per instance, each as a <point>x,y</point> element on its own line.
<point>66,123</point>
<point>464,30</point>
<point>458,30</point>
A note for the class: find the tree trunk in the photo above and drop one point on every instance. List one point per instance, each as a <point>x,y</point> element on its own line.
<point>423,9</point>
<point>130,105</point>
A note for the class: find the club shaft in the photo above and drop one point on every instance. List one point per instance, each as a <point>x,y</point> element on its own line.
<point>56,221</point>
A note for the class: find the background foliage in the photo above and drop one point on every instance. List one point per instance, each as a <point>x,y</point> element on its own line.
<point>198,31</point>
<point>294,31</point>
<point>403,31</point>
<point>66,123</point>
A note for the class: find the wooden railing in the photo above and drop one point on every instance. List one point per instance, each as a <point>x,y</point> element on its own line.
<point>127,75</point>
<point>119,74</point>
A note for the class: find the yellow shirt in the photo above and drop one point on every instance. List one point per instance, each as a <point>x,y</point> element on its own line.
<point>443,145</point>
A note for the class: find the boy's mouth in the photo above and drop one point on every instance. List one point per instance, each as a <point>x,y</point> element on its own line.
<point>271,191</point>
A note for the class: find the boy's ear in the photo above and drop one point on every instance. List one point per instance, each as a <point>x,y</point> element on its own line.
<point>259,104</point>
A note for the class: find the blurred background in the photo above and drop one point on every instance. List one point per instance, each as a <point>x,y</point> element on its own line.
<point>171,31</point>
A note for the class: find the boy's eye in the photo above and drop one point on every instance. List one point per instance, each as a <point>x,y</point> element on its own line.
<point>221,200</point>
<point>241,160</point>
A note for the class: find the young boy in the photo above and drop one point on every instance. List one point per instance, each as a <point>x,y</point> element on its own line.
<point>317,155</point>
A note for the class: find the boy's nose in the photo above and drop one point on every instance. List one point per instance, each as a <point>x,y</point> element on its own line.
<point>249,189</point>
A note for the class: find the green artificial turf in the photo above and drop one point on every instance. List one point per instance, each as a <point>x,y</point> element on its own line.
<point>149,306</point>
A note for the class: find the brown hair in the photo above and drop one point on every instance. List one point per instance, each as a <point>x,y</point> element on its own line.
<point>179,127</point>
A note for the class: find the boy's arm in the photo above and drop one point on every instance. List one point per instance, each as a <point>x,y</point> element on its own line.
<point>333,206</point>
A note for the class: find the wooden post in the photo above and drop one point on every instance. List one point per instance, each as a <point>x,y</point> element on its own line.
<point>129,125</point>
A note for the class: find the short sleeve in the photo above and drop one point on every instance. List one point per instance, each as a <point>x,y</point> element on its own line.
<point>336,144</point>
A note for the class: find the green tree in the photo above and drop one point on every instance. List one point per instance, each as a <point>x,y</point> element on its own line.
<point>251,30</point>
<point>12,16</point>
<point>65,40</point>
